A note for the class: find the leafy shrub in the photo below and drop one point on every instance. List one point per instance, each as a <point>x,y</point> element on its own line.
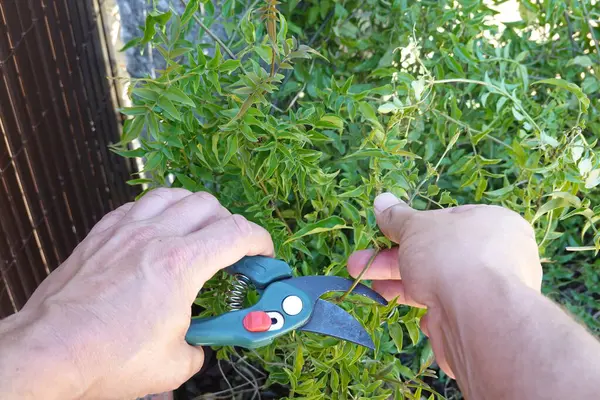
<point>431,100</point>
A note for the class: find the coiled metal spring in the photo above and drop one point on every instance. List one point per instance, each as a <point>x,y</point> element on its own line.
<point>237,294</point>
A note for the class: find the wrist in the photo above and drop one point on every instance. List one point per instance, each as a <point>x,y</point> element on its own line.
<point>471,308</point>
<point>35,363</point>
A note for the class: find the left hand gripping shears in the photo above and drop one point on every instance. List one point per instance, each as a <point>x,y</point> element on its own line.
<point>286,303</point>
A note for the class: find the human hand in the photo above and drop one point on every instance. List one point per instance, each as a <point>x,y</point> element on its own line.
<point>442,252</point>
<point>438,248</point>
<point>120,305</point>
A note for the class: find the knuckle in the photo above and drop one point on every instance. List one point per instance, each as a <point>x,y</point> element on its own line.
<point>174,258</point>
<point>166,193</point>
<point>241,225</point>
<point>207,200</point>
<point>140,231</point>
<point>115,215</point>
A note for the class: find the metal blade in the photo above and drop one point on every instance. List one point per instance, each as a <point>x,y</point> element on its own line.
<point>329,319</point>
<point>317,286</point>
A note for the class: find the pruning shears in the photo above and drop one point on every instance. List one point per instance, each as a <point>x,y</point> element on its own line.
<point>286,303</point>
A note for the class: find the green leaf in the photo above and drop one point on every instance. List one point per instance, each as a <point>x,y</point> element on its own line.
<point>350,212</point>
<point>216,60</point>
<point>325,225</point>
<point>500,192</point>
<point>169,108</point>
<point>571,87</point>
<point>133,111</point>
<point>330,121</point>
<point>248,30</point>
<point>176,95</point>
<point>155,18</point>
<point>432,190</point>
<point>427,357</point>
<point>387,108</point>
<point>481,187</point>
<point>136,153</point>
<point>229,66</point>
<point>152,124</point>
<point>187,182</point>
<point>365,153</point>
<point>352,193</point>
<point>140,181</point>
<point>190,10</point>
<point>178,52</point>
<point>569,197</point>
<point>213,77</point>
<point>413,331</point>
<point>334,380</point>
<point>147,94</point>
<point>232,147</point>
<point>551,206</point>
<point>583,61</point>
<point>133,130</point>
<point>299,359</point>
<point>397,335</point>
<point>368,112</point>
<point>132,43</point>
<point>404,370</point>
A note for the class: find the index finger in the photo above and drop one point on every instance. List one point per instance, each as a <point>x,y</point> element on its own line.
<point>384,267</point>
<point>223,243</point>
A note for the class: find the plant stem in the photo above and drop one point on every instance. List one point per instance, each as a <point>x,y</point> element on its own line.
<point>212,35</point>
<point>359,277</point>
<point>296,97</point>
<point>273,55</point>
<point>468,127</point>
<point>250,7</point>
<point>574,48</point>
<point>277,211</point>
<point>497,89</point>
<point>437,165</point>
<point>591,28</point>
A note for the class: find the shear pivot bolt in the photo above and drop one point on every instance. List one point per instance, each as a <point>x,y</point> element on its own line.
<point>292,305</point>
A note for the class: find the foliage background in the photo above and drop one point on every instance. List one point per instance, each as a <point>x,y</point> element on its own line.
<point>432,100</point>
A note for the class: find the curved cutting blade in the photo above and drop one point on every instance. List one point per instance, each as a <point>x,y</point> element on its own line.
<point>329,319</point>
<point>317,286</point>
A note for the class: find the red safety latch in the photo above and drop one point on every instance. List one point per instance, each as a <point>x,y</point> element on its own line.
<point>257,321</point>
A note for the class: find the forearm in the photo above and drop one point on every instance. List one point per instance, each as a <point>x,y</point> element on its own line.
<point>505,340</point>
<point>32,364</point>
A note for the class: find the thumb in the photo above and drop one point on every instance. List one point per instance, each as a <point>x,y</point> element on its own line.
<point>392,214</point>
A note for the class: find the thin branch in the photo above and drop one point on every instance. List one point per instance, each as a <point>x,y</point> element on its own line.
<point>296,97</point>
<point>437,165</point>
<point>250,7</point>
<point>468,127</point>
<point>288,74</point>
<point>273,56</point>
<point>591,28</point>
<point>277,211</point>
<point>505,93</point>
<point>253,381</point>
<point>359,277</point>
<point>212,35</point>
<point>223,375</point>
<point>574,47</point>
<point>275,364</point>
<point>242,359</point>
<point>215,395</point>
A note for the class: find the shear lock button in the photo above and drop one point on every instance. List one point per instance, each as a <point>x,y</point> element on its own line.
<point>257,321</point>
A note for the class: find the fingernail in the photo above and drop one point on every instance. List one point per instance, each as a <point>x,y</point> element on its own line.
<point>385,201</point>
